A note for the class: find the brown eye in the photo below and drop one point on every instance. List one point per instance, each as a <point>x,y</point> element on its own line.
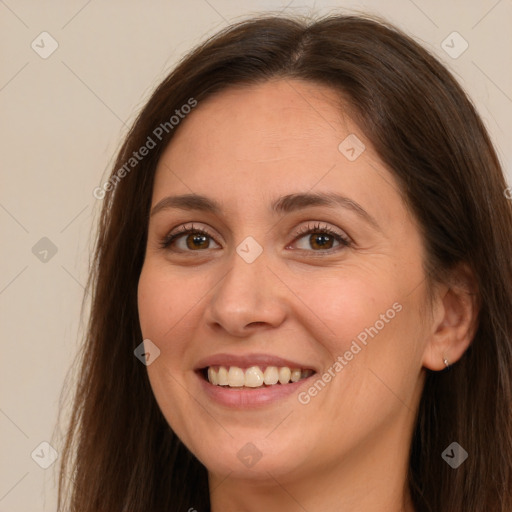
<point>196,241</point>
<point>322,238</point>
<point>187,240</point>
<point>321,241</point>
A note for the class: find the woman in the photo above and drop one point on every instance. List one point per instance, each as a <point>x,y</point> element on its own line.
<point>302,287</point>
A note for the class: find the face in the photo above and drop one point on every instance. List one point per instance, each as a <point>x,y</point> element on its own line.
<point>271,280</point>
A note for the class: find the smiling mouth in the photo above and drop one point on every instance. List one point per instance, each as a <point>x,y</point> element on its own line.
<point>254,376</point>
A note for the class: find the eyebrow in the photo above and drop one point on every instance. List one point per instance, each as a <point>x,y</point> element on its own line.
<point>284,204</point>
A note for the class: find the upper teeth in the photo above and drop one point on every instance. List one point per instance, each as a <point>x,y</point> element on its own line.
<point>254,377</point>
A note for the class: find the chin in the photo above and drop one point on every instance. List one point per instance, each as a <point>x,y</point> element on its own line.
<point>250,457</point>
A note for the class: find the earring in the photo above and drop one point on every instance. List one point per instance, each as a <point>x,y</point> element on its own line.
<point>446,362</point>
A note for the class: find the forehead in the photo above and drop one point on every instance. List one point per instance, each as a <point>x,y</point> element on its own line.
<point>253,143</point>
<point>275,119</point>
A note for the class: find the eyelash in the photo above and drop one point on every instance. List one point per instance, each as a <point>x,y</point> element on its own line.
<point>316,229</point>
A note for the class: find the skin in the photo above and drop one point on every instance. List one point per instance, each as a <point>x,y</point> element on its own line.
<point>347,449</point>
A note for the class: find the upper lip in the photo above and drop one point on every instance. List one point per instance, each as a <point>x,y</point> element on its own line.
<point>248,360</point>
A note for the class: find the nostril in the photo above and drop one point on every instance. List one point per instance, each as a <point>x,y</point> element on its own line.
<point>256,324</point>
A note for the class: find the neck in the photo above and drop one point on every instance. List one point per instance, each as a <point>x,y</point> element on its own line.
<point>373,478</point>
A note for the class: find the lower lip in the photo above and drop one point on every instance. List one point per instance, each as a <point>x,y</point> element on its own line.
<point>251,397</point>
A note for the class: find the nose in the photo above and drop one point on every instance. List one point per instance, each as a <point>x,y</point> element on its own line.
<point>250,296</point>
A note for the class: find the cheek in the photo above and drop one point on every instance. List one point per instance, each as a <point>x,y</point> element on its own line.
<point>370,330</point>
<point>164,302</point>
<point>164,309</point>
<point>350,304</point>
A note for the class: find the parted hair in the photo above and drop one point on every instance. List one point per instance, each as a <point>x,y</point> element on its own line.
<point>121,455</point>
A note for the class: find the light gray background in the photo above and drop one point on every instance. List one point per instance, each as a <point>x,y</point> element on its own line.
<point>63,118</point>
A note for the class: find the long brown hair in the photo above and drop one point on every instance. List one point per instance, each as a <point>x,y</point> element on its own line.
<point>121,455</point>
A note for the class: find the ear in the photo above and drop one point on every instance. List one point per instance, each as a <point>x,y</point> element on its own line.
<point>454,319</point>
